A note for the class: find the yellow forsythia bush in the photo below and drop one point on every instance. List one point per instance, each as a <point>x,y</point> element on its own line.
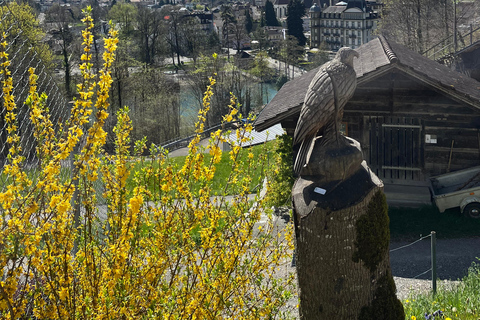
<point>172,253</point>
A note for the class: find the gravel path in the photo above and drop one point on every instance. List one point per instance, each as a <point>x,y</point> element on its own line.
<point>454,257</point>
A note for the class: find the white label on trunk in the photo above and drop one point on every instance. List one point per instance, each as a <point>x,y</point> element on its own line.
<point>320,190</point>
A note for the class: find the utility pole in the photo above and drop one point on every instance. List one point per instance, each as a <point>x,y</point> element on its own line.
<point>454,26</point>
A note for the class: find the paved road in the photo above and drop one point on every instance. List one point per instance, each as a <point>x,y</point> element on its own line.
<point>454,257</point>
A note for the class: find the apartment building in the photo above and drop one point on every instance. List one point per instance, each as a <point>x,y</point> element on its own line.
<point>349,23</point>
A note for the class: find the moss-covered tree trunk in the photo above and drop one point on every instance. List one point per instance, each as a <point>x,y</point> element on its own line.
<point>343,248</point>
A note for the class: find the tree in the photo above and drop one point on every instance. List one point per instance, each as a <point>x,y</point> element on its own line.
<point>290,52</point>
<point>155,104</point>
<point>173,18</point>
<point>20,18</point>
<point>262,70</point>
<point>260,35</point>
<point>419,24</point>
<point>262,20</point>
<point>124,14</point>
<point>295,12</point>
<point>150,30</point>
<point>239,34</point>
<point>248,21</point>
<point>228,19</point>
<point>320,57</point>
<point>61,17</point>
<point>229,79</point>
<point>270,17</point>
<point>194,40</point>
<point>99,14</point>
<point>120,90</point>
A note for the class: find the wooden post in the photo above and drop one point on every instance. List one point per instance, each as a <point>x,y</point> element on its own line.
<point>434,261</point>
<point>450,157</point>
<point>342,242</point>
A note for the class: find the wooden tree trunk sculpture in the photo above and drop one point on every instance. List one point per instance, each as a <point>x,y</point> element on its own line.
<point>340,211</point>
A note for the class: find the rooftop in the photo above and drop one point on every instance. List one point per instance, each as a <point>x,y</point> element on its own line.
<point>376,57</point>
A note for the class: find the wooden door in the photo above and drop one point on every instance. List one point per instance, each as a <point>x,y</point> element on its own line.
<point>395,147</point>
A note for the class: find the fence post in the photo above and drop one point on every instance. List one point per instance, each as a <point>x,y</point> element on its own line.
<point>434,261</point>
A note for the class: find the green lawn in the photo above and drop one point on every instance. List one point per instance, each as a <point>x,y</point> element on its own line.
<point>219,183</point>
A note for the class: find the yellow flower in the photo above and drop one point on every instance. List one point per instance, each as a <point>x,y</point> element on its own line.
<point>135,203</point>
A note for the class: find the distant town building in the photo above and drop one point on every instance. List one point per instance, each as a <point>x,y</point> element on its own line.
<point>280,7</point>
<point>349,23</point>
<point>275,34</point>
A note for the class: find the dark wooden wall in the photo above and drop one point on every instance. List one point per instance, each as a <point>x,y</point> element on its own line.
<point>393,114</point>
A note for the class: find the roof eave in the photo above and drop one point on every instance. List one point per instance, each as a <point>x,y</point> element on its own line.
<point>452,92</point>
<point>277,119</point>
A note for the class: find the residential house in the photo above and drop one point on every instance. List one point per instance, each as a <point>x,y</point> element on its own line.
<point>275,34</point>
<point>414,117</point>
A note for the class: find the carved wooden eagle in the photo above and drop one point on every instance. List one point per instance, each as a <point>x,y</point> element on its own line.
<point>322,110</point>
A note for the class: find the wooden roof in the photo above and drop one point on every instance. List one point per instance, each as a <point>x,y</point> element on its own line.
<point>377,57</point>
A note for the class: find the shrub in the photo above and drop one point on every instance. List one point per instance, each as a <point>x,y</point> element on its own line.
<point>281,174</point>
<point>186,255</point>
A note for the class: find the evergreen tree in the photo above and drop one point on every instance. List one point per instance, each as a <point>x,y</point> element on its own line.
<point>229,20</point>
<point>295,12</point>
<point>248,21</point>
<point>270,18</point>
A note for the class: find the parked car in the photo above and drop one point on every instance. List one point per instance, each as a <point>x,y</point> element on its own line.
<point>458,189</point>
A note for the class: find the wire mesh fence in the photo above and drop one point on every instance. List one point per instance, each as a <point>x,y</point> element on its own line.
<point>23,53</point>
<point>25,50</point>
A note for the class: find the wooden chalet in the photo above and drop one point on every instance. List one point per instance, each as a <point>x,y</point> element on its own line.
<point>413,116</point>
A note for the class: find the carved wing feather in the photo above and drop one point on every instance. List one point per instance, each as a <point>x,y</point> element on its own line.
<point>346,82</point>
<point>317,107</point>
<point>327,94</point>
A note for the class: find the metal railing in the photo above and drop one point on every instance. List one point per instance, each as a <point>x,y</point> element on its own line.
<point>433,248</point>
<point>447,47</point>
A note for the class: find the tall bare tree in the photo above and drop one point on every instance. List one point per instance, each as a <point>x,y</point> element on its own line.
<point>155,106</point>
<point>150,30</point>
<point>60,17</point>
<point>420,24</point>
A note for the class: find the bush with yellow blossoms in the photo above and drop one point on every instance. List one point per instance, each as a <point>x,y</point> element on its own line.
<point>174,251</point>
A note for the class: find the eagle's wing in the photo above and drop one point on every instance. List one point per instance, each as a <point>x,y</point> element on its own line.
<point>329,91</point>
<point>345,79</point>
<point>318,106</point>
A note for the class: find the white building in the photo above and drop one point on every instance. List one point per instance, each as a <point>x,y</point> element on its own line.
<point>349,24</point>
<point>280,7</point>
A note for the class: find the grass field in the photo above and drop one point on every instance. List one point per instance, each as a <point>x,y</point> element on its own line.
<point>219,183</point>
